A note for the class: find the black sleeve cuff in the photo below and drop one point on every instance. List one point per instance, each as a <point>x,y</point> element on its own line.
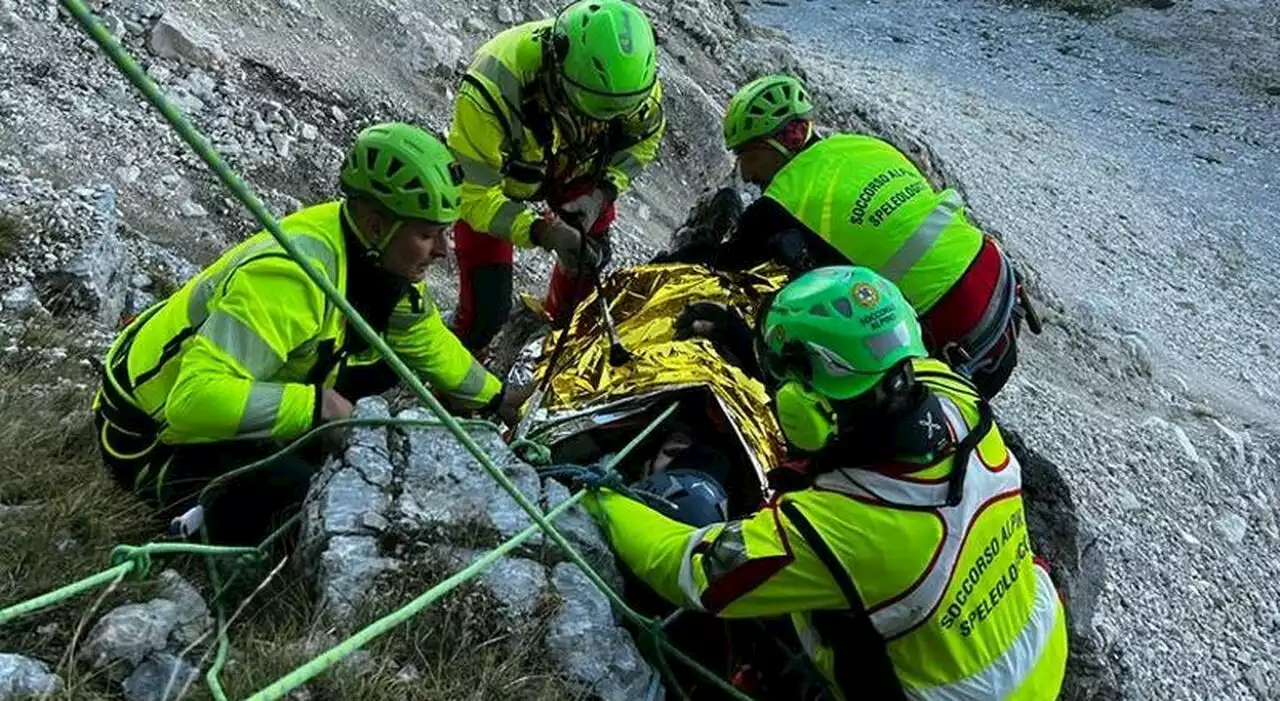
<point>319,406</point>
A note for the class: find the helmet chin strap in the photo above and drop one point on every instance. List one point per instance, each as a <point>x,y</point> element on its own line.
<point>373,249</point>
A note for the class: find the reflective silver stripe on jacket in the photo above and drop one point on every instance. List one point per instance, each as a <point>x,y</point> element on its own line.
<point>981,486</point>
<point>260,411</point>
<point>503,222</point>
<point>478,172</point>
<point>240,341</point>
<point>923,238</point>
<point>509,91</point>
<point>1003,675</point>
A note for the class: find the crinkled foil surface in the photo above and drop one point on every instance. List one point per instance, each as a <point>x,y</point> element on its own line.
<point>645,301</point>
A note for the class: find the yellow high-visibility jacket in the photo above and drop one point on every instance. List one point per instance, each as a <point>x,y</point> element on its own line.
<point>243,350</point>
<point>511,140</point>
<point>964,611</point>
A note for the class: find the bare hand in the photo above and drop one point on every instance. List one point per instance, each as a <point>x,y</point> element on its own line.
<point>512,399</point>
<point>334,406</point>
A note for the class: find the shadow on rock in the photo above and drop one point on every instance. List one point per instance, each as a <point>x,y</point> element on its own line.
<point>1079,570</point>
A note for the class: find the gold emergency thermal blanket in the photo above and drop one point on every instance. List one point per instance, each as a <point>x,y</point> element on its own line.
<point>645,302</point>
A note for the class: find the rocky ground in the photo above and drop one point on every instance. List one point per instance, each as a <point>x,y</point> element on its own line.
<point>103,209</point>
<point>1130,162</point>
<point>1128,159</point>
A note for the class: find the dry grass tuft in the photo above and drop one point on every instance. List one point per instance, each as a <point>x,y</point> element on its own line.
<point>62,514</point>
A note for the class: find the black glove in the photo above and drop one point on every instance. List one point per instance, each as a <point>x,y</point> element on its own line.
<point>604,247</point>
<point>726,330</point>
<point>790,249</point>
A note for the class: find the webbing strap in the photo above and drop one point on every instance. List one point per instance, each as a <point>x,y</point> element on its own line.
<point>862,661</point>
<point>960,460</point>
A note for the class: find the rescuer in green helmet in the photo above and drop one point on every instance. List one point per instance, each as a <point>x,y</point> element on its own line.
<point>856,199</point>
<point>249,353</point>
<point>903,560</point>
<point>564,111</point>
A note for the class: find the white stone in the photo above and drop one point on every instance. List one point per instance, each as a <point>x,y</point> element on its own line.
<point>176,36</point>
<point>193,210</point>
<point>1231,527</point>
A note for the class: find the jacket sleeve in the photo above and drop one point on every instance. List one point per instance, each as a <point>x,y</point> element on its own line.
<point>418,335</point>
<point>754,567</point>
<point>224,390</point>
<point>478,139</point>
<point>642,133</point>
<point>767,231</point>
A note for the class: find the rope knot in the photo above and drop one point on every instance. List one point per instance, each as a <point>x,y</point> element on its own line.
<point>531,452</point>
<point>140,558</point>
<point>601,477</point>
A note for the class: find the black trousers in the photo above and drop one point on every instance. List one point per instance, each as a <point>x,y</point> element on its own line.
<point>247,508</point>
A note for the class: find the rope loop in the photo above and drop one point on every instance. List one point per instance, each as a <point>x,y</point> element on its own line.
<point>139,556</point>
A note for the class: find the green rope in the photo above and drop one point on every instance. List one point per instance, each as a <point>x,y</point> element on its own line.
<point>126,561</point>
<point>203,148</point>
<point>653,635</point>
<point>212,677</point>
<point>319,664</point>
<point>71,590</point>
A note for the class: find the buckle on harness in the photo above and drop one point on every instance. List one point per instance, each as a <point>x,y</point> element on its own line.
<point>956,355</point>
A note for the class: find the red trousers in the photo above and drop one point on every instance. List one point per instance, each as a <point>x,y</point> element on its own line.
<point>484,278</point>
<point>957,316</point>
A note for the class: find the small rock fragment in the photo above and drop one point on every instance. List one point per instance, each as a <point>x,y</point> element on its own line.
<point>21,677</point>
<point>1231,527</point>
<point>193,210</point>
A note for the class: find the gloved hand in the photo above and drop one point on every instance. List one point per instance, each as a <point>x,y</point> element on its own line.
<point>604,245</point>
<point>567,242</point>
<point>726,330</point>
<point>712,321</point>
<point>587,208</point>
<point>789,248</point>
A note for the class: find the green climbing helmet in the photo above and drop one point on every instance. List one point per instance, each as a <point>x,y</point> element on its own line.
<point>407,170</point>
<point>839,330</point>
<point>607,55</point>
<point>762,107</point>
